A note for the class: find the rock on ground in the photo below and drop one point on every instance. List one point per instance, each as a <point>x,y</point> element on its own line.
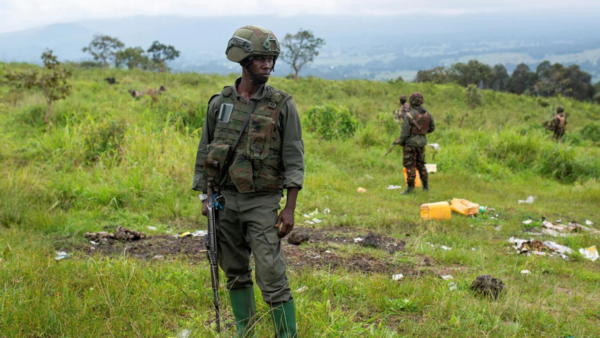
<point>487,286</point>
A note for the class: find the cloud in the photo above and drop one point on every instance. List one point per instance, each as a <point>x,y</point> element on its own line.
<point>21,14</point>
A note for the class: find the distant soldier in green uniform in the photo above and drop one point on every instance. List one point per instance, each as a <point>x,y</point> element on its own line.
<point>417,123</point>
<point>404,109</point>
<point>268,159</point>
<point>558,123</point>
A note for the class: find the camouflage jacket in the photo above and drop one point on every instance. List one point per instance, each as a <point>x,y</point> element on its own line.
<point>409,139</point>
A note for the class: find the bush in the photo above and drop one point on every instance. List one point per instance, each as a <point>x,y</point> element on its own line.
<point>591,132</point>
<point>473,96</point>
<point>330,122</point>
<point>104,139</point>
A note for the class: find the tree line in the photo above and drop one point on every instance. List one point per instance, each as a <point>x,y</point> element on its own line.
<point>547,80</point>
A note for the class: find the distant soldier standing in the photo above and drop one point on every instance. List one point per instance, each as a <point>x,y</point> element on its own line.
<point>417,123</point>
<point>404,109</point>
<point>558,123</point>
<point>251,177</point>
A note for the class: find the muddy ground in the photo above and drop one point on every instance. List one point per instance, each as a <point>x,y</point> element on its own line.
<point>332,248</point>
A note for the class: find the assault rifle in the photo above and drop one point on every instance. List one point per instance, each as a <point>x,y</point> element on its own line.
<point>212,255</point>
<point>392,148</point>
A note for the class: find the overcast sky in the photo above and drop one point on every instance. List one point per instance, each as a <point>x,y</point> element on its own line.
<point>22,14</point>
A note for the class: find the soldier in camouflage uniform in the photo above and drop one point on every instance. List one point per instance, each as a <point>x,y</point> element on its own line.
<point>404,109</point>
<point>558,123</point>
<point>268,159</point>
<point>417,124</point>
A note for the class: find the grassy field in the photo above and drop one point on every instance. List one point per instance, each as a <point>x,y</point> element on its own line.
<point>111,160</point>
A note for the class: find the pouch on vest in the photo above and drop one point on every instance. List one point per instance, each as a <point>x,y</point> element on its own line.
<point>259,137</point>
<point>421,124</point>
<point>214,161</point>
<point>240,173</point>
<point>225,112</point>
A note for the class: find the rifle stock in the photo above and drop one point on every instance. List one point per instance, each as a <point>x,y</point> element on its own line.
<point>212,254</point>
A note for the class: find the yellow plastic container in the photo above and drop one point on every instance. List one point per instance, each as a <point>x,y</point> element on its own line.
<point>418,183</point>
<point>464,207</point>
<point>436,211</point>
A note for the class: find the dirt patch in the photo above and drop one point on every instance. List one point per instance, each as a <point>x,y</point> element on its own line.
<point>297,256</point>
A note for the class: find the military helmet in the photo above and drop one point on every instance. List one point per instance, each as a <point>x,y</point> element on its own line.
<point>403,98</point>
<point>416,99</point>
<point>560,110</point>
<point>251,41</point>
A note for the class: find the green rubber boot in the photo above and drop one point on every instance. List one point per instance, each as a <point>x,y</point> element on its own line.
<point>244,310</point>
<point>284,318</point>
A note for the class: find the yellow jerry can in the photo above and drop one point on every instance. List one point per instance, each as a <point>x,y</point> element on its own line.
<point>417,180</point>
<point>436,211</point>
<point>464,207</point>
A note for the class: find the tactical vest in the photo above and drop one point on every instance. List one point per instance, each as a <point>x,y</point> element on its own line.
<point>420,124</point>
<point>562,120</point>
<point>256,164</point>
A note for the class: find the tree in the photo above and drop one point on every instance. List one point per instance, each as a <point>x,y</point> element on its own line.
<point>161,54</point>
<point>501,78</point>
<point>53,80</point>
<point>133,57</point>
<point>103,48</point>
<point>473,72</point>
<point>436,75</point>
<point>301,48</point>
<point>521,79</point>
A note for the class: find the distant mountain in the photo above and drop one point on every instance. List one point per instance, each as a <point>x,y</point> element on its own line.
<point>356,47</point>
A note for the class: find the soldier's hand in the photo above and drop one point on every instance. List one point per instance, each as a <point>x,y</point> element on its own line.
<point>397,141</point>
<point>285,221</point>
<point>205,207</point>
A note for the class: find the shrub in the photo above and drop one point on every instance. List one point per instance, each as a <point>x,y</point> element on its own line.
<point>473,96</point>
<point>330,122</point>
<point>104,139</point>
<point>591,132</point>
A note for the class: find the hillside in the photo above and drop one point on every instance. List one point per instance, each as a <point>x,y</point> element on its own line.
<point>111,160</point>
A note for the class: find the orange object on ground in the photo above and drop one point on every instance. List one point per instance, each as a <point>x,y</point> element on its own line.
<point>464,207</point>
<point>436,211</point>
<point>417,180</point>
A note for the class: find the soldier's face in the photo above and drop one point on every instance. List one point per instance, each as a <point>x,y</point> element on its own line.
<point>261,67</point>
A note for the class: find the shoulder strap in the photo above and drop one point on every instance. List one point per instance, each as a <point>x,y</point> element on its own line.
<point>413,121</point>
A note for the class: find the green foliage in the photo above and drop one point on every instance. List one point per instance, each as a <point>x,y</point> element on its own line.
<point>103,48</point>
<point>591,131</point>
<point>300,49</point>
<point>132,57</point>
<point>330,122</point>
<point>473,96</point>
<point>105,138</point>
<point>162,53</point>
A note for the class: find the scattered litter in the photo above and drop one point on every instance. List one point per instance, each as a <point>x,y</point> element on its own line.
<point>93,243</point>
<point>588,222</point>
<point>558,221</point>
<point>447,277</point>
<point>317,256</point>
<point>488,286</point>
<point>327,211</point>
<point>151,228</point>
<point>60,255</point>
<point>452,286</point>
<point>527,221</point>
<point>540,248</point>
<point>158,257</point>
<point>472,249</point>
<point>307,216</point>
<point>121,234</point>
<point>590,253</point>
<point>431,168</point>
<point>358,240</point>
<point>199,233</point>
<point>394,187</point>
<point>498,227</point>
<point>447,248</point>
<point>482,209</point>
<point>309,222</point>
<point>327,251</point>
<point>435,146</point>
<point>464,207</point>
<point>184,334</point>
<point>361,190</point>
<point>316,220</point>
<point>397,277</point>
<point>298,237</point>
<point>302,289</point>
<point>558,230</point>
<point>185,234</point>
<point>525,272</point>
<point>529,200</point>
<point>436,211</point>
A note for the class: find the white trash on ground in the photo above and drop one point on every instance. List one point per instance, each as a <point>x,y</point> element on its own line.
<point>588,222</point>
<point>316,220</point>
<point>446,248</point>
<point>435,146</point>
<point>590,253</point>
<point>151,228</point>
<point>527,221</point>
<point>199,233</point>
<point>394,187</point>
<point>361,190</point>
<point>529,200</point>
<point>358,240</point>
<point>447,277</point>
<point>60,255</point>
<point>525,272</point>
<point>327,211</point>
<point>302,289</point>
<point>397,277</point>
<point>452,286</point>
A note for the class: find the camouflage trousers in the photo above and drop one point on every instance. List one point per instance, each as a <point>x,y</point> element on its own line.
<point>414,158</point>
<point>558,133</point>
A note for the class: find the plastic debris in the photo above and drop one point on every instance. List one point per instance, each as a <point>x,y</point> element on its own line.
<point>327,211</point>
<point>93,243</point>
<point>452,286</point>
<point>393,187</point>
<point>588,222</point>
<point>185,234</point>
<point>397,277</point>
<point>464,207</point>
<point>486,285</point>
<point>524,246</point>
<point>361,190</point>
<point>309,222</point>
<point>436,211</point>
<point>316,220</point>
<point>482,209</point>
<point>302,289</point>
<point>527,221</point>
<point>590,253</point>
<point>447,277</point>
<point>199,233</point>
<point>60,255</point>
<point>151,228</point>
<point>529,200</point>
<point>435,146</point>
<point>447,248</point>
<point>559,230</point>
<point>184,334</point>
<point>431,168</point>
<point>358,240</point>
<point>525,272</point>
<point>158,257</point>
